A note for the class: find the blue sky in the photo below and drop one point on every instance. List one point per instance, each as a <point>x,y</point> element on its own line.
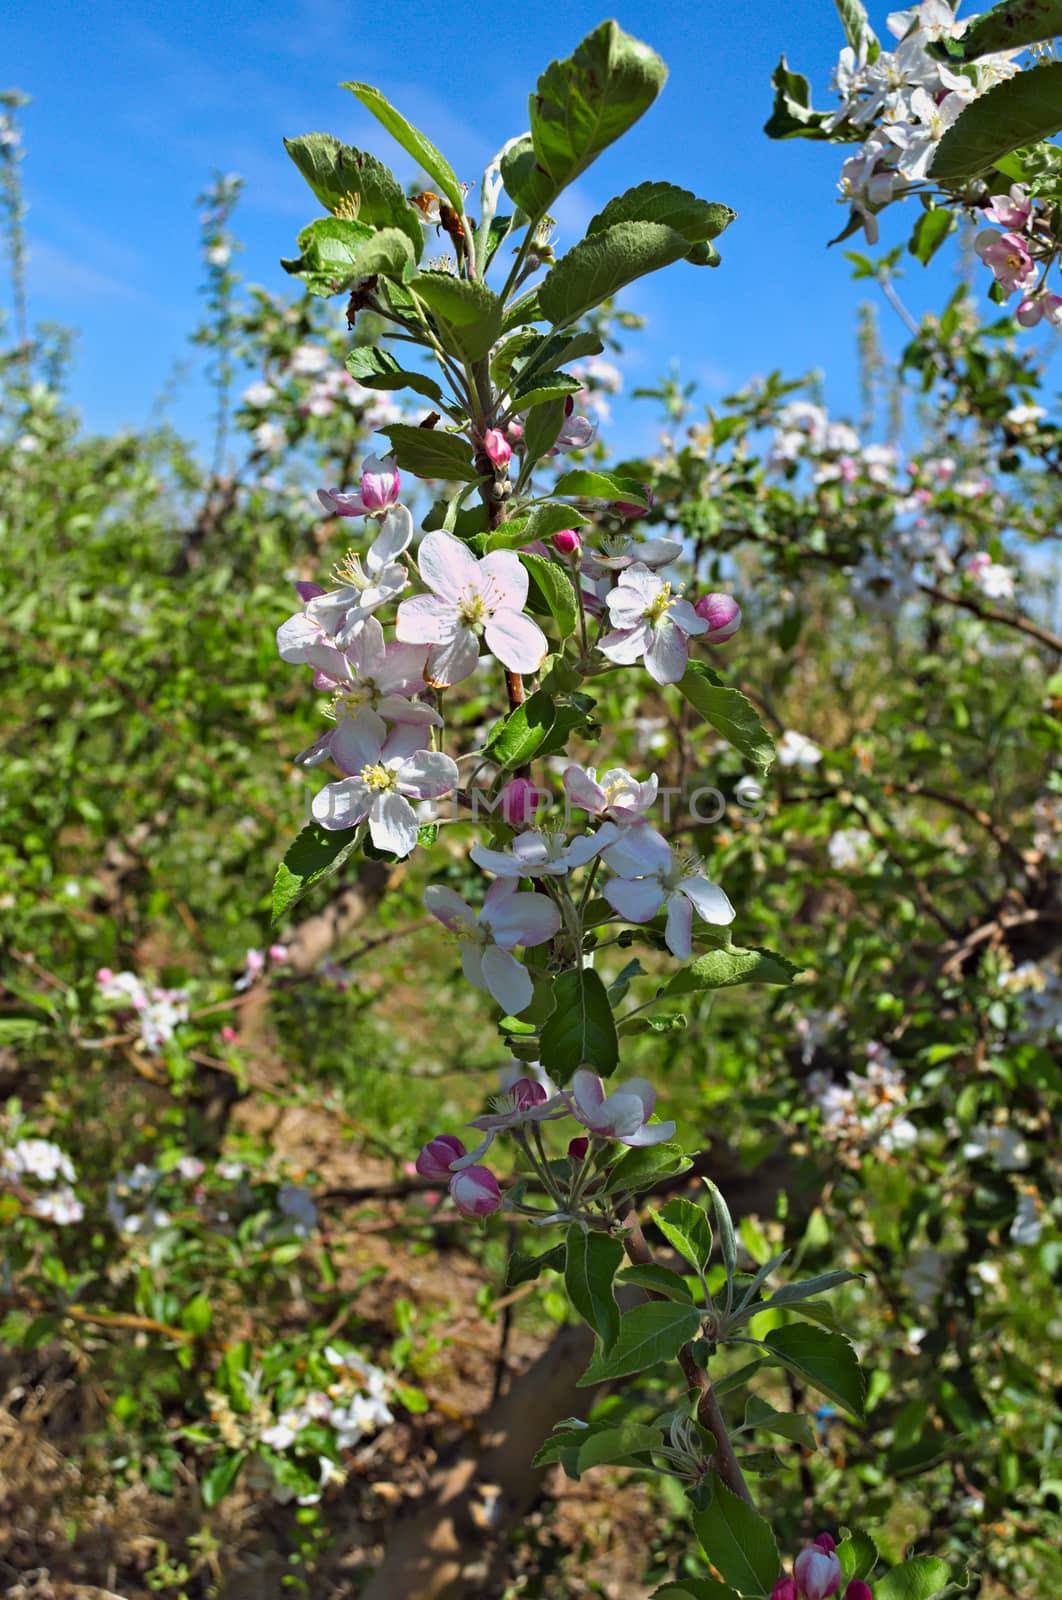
<point>135,104</point>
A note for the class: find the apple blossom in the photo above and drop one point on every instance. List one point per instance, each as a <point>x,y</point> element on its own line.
<point>470,598</point>
<point>1006,255</point>
<point>651,876</point>
<point>795,750</point>
<point>524,1101</point>
<point>382,677</point>
<point>817,1572</point>
<point>614,795</point>
<point>497,448</point>
<point>475,1192</point>
<point>518,802</point>
<point>995,581</point>
<point>383,770</point>
<point>507,919</point>
<point>1010,211</point>
<point>650,622</point>
<point>1035,307</point>
<point>380,487</point>
<point>623,1115</point>
<point>618,551</point>
<point>438,1156</point>
<point>538,854</point>
<point>722,614</point>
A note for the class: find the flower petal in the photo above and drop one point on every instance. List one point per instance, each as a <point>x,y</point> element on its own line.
<point>357,741</point>
<point>516,640</point>
<point>588,1091</point>
<point>523,918</point>
<point>472,964</point>
<point>427,775</point>
<point>667,652</point>
<point>341,805</point>
<point>639,852</point>
<point>626,645</point>
<point>448,907</point>
<point>587,846</point>
<point>583,790</point>
<point>709,901</point>
<point>425,619</point>
<point>678,934</point>
<point>447,566</point>
<point>393,823</point>
<point>638,900</point>
<point>453,660</point>
<point>396,531</point>
<point>508,982</point>
<point>503,581</point>
<point>500,862</point>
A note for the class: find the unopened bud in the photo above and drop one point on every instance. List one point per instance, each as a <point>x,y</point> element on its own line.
<point>567,542</point>
<point>578,1149</point>
<point>785,1589</point>
<point>517,802</point>
<point>475,1192</point>
<point>817,1572</point>
<point>722,614</point>
<point>858,1590</point>
<point>497,447</point>
<point>438,1155</point>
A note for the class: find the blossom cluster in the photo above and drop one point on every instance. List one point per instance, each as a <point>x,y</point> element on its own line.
<point>157,1012</point>
<point>867,1107</point>
<point>30,1163</point>
<point>817,1574</point>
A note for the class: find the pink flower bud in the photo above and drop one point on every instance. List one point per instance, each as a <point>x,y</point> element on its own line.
<point>104,974</point>
<point>817,1572</point>
<point>515,432</point>
<point>578,1149</point>
<point>722,614</point>
<point>785,1589</point>
<point>627,508</point>
<point>438,1155</point>
<point>526,1092</point>
<point>278,953</point>
<point>517,802</point>
<point>497,447</point>
<point>567,542</point>
<point>475,1192</point>
<point>825,1541</point>
<point>380,482</point>
<point>229,1035</point>
<point>858,1590</point>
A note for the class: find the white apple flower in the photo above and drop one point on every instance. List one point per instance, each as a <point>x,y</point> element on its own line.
<point>615,795</point>
<point>539,854</point>
<point>507,919</point>
<point>651,876</point>
<point>650,622</point>
<point>623,1115</point>
<point>385,771</point>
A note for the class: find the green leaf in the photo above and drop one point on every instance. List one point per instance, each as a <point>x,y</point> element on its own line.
<point>919,1579</point>
<point>680,209</point>
<point>515,739</point>
<point>342,177</point>
<point>857,29</point>
<point>313,855</point>
<point>545,388</point>
<point>580,107</point>
<point>1010,26</point>
<point>582,1029</point>
<point>659,1280</point>
<point>696,1589</point>
<point>738,1541</point>
<point>786,1424</point>
<point>220,1477</point>
<point>378,369</point>
<point>793,116</point>
<point>791,1293</point>
<point>719,969</point>
<point>590,1268</point>
<point>729,713</point>
<point>543,425</point>
<point>725,1227</point>
<point>600,266</point>
<point>471,313</point>
<point>1022,110</point>
<point>686,1227</point>
<point>525,1269</point>
<point>930,231</point>
<point>412,141</point>
<point>641,1168</point>
<point>540,523</point>
<point>336,252</point>
<point>618,1446</point>
<point>431,453</point>
<point>825,1360</point>
<point>585,485</point>
<point>555,588</point>
<point>858,1555</point>
<point>197,1315</point>
<point>648,1334</point>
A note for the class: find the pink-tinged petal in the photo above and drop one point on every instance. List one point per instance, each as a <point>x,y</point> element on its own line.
<point>357,741</point>
<point>525,919</point>
<point>587,846</point>
<point>497,897</point>
<point>583,790</point>
<point>401,671</point>
<point>475,1192</point>
<point>472,965</point>
<point>645,1092</point>
<point>403,741</point>
<point>447,906</point>
<point>709,901</point>
<point>503,580</point>
<point>588,1091</point>
<point>338,504</point>
<point>425,619</point>
<point>636,900</point>
<point>639,852</point>
<point>331,609</point>
<point>308,591</point>
<point>341,805</point>
<point>667,653</point>
<point>507,981</point>
<point>678,933</point>
<point>294,637</point>
<point>620,1116</point>
<point>499,862</point>
<point>454,660</point>
<point>410,713</point>
<point>626,646</point>
<point>516,640</point>
<point>531,849</point>
<point>366,652</point>
<point>685,616</point>
<point>658,552</point>
<point>427,775</point>
<point>626,608</point>
<point>320,750</point>
<point>393,823</point>
<point>640,580</point>
<point>447,566</point>
<point>651,1133</point>
<point>436,1156</point>
<point>393,539</point>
